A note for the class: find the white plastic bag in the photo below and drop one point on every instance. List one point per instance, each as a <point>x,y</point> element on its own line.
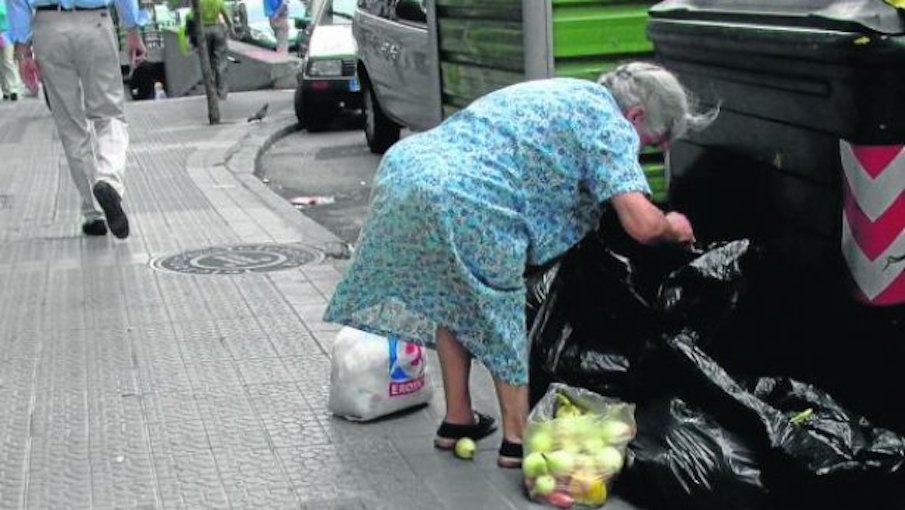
<point>373,376</point>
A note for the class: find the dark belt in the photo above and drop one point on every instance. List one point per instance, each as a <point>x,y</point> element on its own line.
<point>60,8</point>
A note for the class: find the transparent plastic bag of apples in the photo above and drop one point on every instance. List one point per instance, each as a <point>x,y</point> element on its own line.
<point>575,445</point>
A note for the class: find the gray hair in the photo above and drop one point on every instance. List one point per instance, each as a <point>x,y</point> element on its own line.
<point>670,109</point>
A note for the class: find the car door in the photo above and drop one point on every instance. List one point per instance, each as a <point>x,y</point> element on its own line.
<point>414,99</point>
<point>370,29</point>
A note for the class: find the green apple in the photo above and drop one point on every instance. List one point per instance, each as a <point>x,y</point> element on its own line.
<point>534,464</point>
<point>609,460</point>
<point>540,441</point>
<point>567,427</point>
<point>615,432</point>
<point>544,485</point>
<point>584,461</point>
<point>465,448</point>
<point>561,462</point>
<point>569,445</point>
<point>593,444</point>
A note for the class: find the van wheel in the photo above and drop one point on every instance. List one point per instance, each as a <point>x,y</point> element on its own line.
<point>299,104</point>
<point>380,132</point>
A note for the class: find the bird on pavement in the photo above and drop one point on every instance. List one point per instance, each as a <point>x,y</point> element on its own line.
<point>260,114</point>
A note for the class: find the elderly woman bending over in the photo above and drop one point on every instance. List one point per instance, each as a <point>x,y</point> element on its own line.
<point>515,179</point>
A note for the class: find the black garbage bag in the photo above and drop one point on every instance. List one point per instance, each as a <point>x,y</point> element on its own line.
<point>539,282</point>
<point>592,321</point>
<point>813,452</point>
<point>703,294</point>
<point>684,459</point>
<point>609,299</point>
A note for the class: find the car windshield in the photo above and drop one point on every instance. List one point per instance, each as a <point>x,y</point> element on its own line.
<point>340,13</point>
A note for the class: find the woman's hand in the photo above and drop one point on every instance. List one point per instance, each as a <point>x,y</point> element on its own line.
<point>647,224</point>
<point>681,227</point>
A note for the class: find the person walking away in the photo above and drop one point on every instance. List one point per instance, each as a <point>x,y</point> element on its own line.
<point>74,43</point>
<point>277,11</point>
<point>216,35</point>
<point>10,84</point>
<point>517,178</point>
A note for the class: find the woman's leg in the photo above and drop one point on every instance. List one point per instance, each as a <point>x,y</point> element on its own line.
<point>455,365</point>
<point>513,408</point>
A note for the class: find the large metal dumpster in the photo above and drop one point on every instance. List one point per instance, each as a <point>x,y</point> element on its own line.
<point>811,93</point>
<point>808,158</point>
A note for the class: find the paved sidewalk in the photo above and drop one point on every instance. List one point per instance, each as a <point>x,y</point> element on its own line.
<point>123,386</point>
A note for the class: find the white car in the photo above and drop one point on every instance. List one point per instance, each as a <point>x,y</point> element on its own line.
<point>327,79</point>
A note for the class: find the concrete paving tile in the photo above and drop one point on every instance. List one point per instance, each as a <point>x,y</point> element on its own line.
<point>228,410</point>
<point>185,301</point>
<point>297,292</point>
<point>408,427</point>
<point>455,480</point>
<point>154,343</point>
<point>227,432</point>
<point>289,336</point>
<point>183,436</point>
<point>246,338</point>
<point>264,299</point>
<point>163,407</point>
<point>163,377</point>
<point>202,341</point>
<point>59,470</point>
<point>254,478</point>
<point>190,480</point>
<point>263,371</point>
<point>19,346</point>
<point>215,377</point>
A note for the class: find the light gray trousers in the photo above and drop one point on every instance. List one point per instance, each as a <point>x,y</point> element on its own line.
<point>9,72</point>
<point>79,60</point>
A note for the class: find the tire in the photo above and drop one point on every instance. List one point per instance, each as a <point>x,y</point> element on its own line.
<point>299,104</point>
<point>380,132</point>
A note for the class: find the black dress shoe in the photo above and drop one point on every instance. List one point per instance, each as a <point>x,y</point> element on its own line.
<point>94,228</point>
<point>111,203</point>
<point>14,97</point>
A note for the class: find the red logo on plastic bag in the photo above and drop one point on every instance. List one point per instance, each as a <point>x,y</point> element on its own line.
<point>406,368</point>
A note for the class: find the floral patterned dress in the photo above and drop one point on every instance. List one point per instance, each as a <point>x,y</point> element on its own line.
<point>459,211</point>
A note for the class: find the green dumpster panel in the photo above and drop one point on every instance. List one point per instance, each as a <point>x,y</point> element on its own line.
<point>464,83</point>
<point>491,43</point>
<point>656,178</point>
<point>580,30</point>
<point>589,69</point>
<point>481,48</point>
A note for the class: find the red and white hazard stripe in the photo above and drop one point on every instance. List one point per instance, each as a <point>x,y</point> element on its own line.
<point>873,220</point>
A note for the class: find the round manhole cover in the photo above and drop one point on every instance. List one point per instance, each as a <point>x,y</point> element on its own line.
<point>245,258</point>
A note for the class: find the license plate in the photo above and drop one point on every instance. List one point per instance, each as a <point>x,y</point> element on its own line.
<point>354,86</point>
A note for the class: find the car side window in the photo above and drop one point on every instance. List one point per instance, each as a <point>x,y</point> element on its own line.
<point>382,8</point>
<point>412,12</point>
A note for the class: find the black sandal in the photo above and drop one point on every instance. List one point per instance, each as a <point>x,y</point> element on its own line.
<point>449,433</point>
<point>510,455</point>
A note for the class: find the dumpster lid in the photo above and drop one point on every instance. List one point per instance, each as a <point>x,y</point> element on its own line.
<point>875,15</point>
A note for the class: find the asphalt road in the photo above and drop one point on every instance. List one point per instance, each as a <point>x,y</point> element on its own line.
<point>328,174</point>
